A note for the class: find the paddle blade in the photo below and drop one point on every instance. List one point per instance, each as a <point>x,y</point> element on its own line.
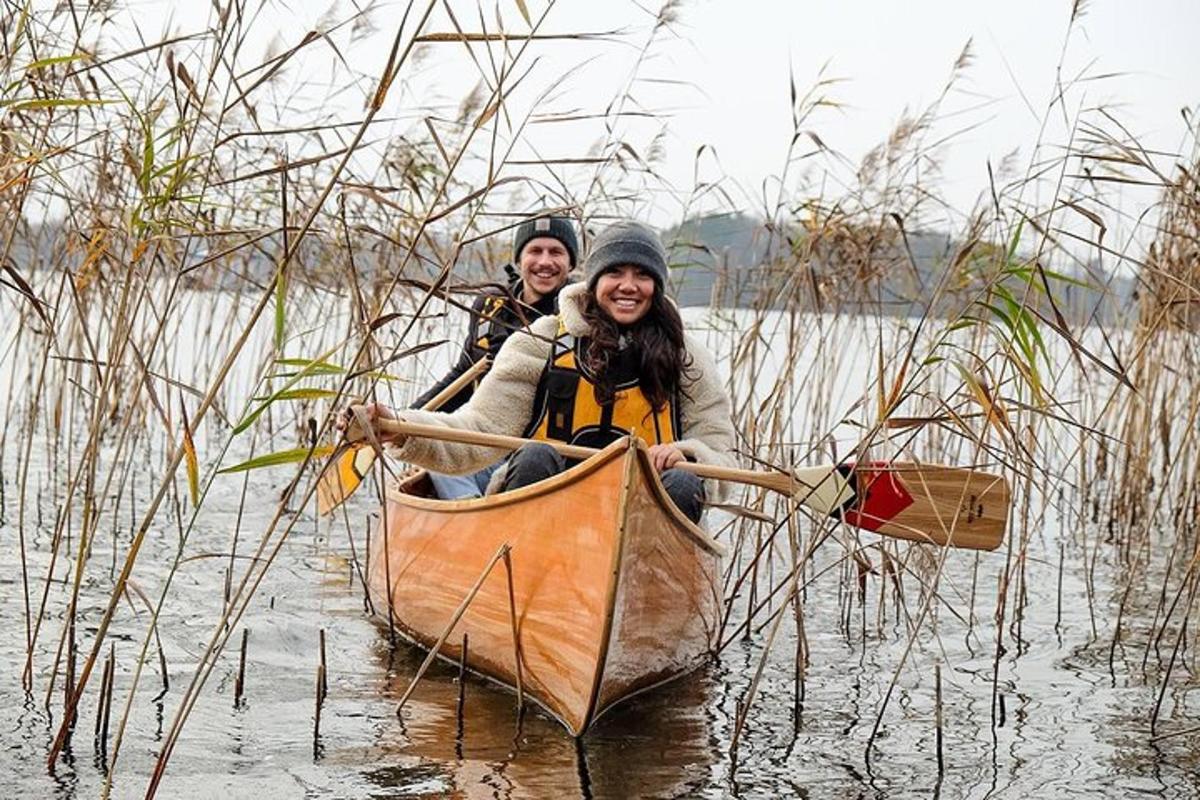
<point>941,505</point>
<point>824,489</point>
<point>342,476</point>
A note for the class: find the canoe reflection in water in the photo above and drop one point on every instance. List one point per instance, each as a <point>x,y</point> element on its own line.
<point>661,745</point>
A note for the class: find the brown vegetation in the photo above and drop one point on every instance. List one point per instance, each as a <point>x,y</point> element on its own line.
<point>142,192</point>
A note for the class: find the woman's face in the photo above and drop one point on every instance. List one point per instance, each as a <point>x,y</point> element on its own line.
<point>544,265</point>
<point>624,293</point>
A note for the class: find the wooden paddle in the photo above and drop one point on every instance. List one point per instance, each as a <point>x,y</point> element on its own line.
<point>345,470</point>
<point>958,506</point>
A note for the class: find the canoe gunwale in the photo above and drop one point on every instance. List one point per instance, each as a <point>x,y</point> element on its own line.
<point>396,494</point>
<point>694,531</point>
<point>560,481</point>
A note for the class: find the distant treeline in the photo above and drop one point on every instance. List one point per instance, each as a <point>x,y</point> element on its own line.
<point>735,260</point>
<point>725,260</point>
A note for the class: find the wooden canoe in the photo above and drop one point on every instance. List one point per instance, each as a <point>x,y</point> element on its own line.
<point>615,590</point>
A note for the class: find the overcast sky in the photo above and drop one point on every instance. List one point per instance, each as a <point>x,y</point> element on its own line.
<point>719,73</point>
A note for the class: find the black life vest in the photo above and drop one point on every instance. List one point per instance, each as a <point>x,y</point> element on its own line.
<point>490,327</point>
<point>498,315</point>
<point>565,407</point>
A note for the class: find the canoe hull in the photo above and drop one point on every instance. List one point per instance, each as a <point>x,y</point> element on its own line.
<point>613,589</point>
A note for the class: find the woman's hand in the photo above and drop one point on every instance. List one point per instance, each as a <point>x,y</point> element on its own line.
<point>665,456</point>
<point>360,421</point>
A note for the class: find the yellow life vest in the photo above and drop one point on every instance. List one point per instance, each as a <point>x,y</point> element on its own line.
<point>565,407</point>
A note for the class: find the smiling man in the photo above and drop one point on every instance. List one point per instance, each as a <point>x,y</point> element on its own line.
<point>544,251</point>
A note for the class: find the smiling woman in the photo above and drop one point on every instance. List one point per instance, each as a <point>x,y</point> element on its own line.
<point>613,362</point>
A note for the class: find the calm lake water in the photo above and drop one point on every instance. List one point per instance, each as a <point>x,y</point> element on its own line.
<point>1071,716</point>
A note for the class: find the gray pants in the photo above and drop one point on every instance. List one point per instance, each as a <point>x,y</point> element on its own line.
<point>536,462</point>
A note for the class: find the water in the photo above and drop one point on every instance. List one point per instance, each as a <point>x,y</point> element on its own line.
<point>1071,716</point>
<point>1074,724</point>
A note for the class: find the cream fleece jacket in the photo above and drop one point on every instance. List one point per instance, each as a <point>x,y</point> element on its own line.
<point>503,403</point>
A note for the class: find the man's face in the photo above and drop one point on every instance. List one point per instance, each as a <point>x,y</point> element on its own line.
<point>544,264</point>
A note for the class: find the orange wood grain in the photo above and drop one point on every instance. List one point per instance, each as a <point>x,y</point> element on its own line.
<point>603,575</point>
<point>666,613</point>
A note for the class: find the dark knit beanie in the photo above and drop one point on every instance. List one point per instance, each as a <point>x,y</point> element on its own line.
<point>627,242</point>
<point>559,228</point>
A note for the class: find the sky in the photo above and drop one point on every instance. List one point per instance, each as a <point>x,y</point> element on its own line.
<point>897,56</point>
<point>717,80</point>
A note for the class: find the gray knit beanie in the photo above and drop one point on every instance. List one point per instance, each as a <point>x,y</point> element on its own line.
<point>627,242</point>
<point>559,228</point>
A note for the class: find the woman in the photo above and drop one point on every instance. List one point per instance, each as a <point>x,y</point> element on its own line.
<point>614,361</point>
<point>544,251</point>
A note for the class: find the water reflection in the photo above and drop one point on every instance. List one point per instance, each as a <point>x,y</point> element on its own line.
<point>659,744</point>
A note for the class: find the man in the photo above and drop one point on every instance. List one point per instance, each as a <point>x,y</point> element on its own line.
<point>544,251</point>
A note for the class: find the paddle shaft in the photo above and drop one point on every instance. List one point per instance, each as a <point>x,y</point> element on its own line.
<point>475,370</point>
<point>778,481</point>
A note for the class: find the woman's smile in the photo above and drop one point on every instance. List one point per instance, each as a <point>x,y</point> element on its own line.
<point>624,293</point>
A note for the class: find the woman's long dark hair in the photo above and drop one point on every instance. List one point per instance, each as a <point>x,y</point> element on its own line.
<point>658,343</point>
